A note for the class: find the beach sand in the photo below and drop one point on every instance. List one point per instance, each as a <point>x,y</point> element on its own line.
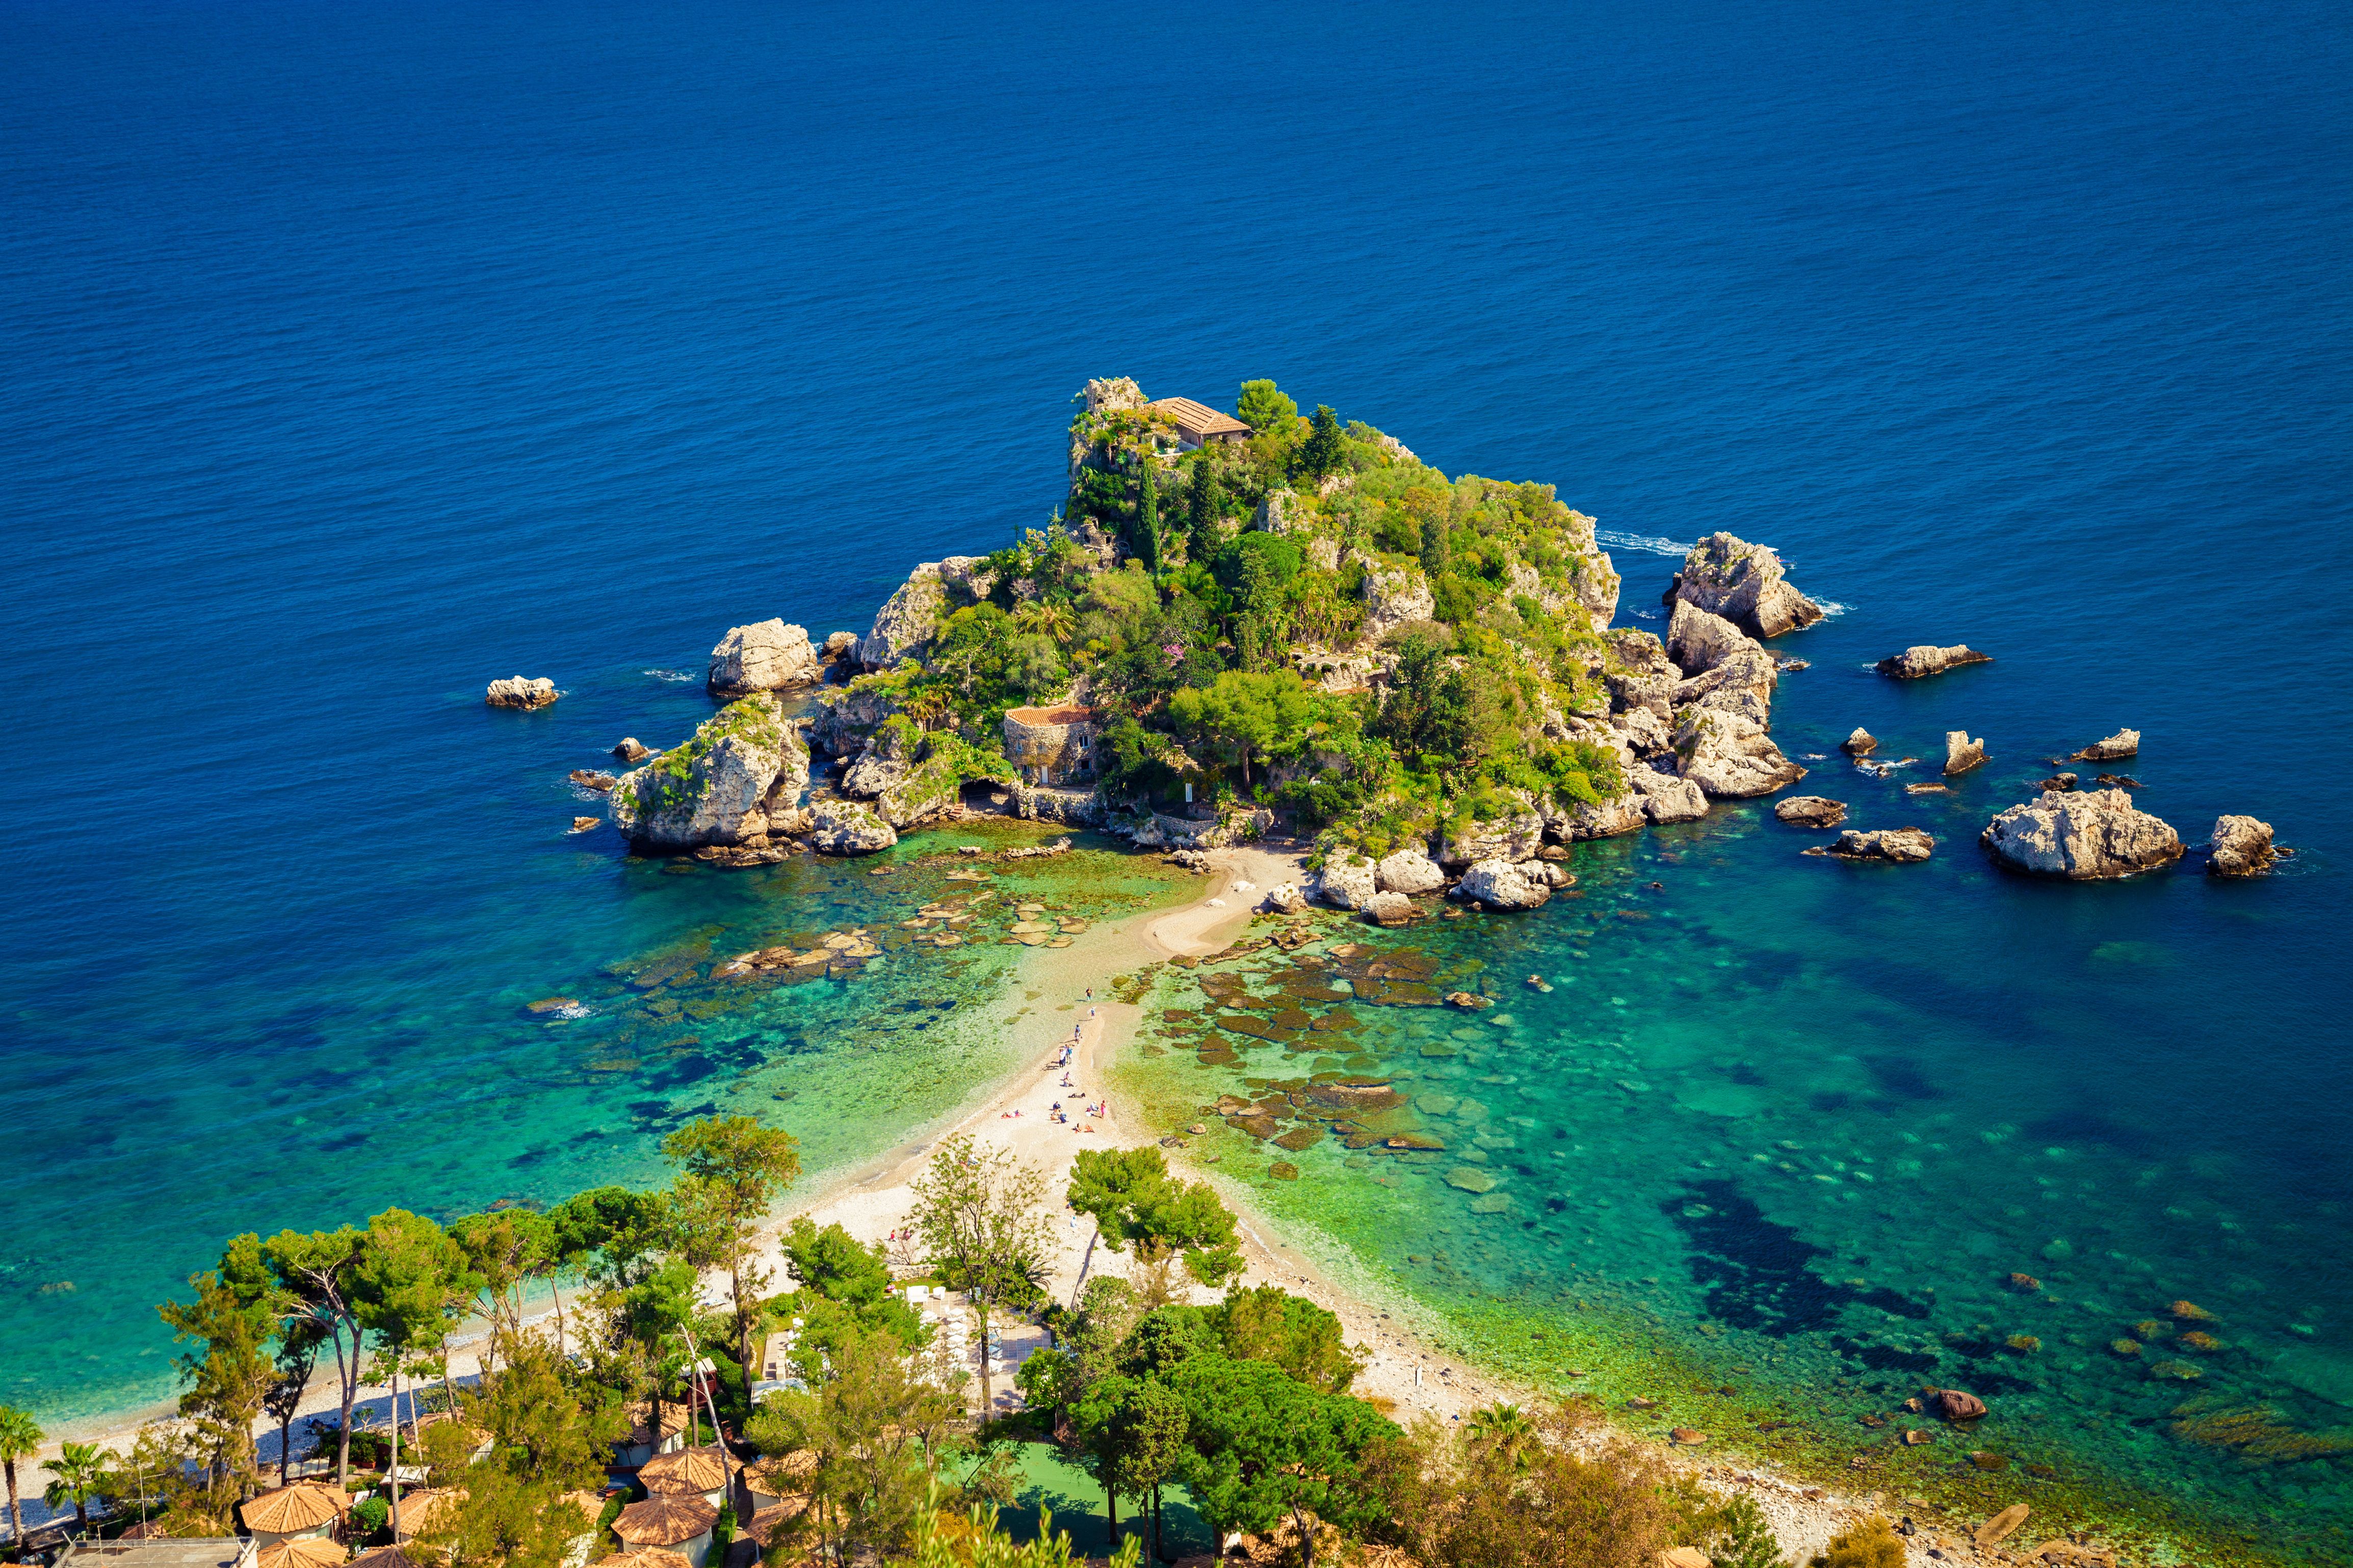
<point>874,1200</point>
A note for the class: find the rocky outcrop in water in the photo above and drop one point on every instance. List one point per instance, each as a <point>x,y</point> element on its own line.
<point>839,645</point>
<point>2115,748</point>
<point>1516,835</point>
<point>744,764</point>
<point>2095,835</point>
<point>1811,811</point>
<point>1609,818</point>
<point>911,617</point>
<point>1667,798</point>
<point>1348,881</point>
<point>2241,846</point>
<point>846,827</point>
<point>1961,754</point>
<point>1501,884</point>
<point>1860,743</point>
<point>1729,755</point>
<point>1742,583</point>
<point>524,691</point>
<point>1408,871</point>
<point>767,656</point>
<point>1387,909</point>
<point>1699,641</point>
<point>631,750</point>
<point>1899,844</point>
<point>1919,662</point>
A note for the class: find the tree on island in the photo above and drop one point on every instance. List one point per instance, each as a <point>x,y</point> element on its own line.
<point>731,1170</point>
<point>981,1217</point>
<point>1137,1205</point>
<point>1147,512</point>
<point>1324,453</point>
<point>20,1439</point>
<point>1202,512</point>
<point>1132,1433</point>
<point>1264,409</point>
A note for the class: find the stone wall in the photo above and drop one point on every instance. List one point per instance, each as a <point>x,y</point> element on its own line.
<point>1051,745</point>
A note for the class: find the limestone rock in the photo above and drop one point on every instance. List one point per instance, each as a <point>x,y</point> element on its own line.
<point>842,721</point>
<point>1955,1405</point>
<point>2115,749</point>
<point>2000,1527</point>
<point>1408,870</point>
<point>1698,641</point>
<point>1667,798</point>
<point>587,824</point>
<point>1742,583</point>
<point>1645,730</point>
<point>1860,743</point>
<point>587,778</point>
<point>1961,754</point>
<point>1899,844</point>
<point>839,645</point>
<point>1621,814</point>
<point>1555,874</point>
<point>1502,885</point>
<point>2241,848</point>
<point>1390,909</point>
<point>522,691</point>
<point>1348,880</point>
<point>1729,755</point>
<point>1811,811</point>
<point>1394,597</point>
<point>1513,836</point>
<point>630,749</point>
<point>846,827</point>
<point>720,786</point>
<point>908,620</point>
<point>2062,783</point>
<point>2088,837</point>
<point>1924,660</point>
<point>1286,898</point>
<point>768,656</point>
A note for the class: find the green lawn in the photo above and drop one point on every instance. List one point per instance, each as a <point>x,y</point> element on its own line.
<point>1050,1481</point>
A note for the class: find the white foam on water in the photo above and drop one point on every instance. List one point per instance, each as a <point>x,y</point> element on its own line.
<point>1643,541</point>
<point>675,675</point>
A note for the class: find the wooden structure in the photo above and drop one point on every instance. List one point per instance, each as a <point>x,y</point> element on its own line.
<point>1197,423</point>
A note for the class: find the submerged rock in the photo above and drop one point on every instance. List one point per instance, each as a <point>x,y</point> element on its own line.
<point>1742,583</point>
<point>1388,909</point>
<point>2062,783</point>
<point>1906,845</point>
<point>1502,885</point>
<point>1811,811</point>
<point>1926,660</point>
<point>2090,837</point>
<point>522,691</point>
<point>2115,748</point>
<point>767,656</point>
<point>1955,1405</point>
<point>1961,754</point>
<point>1860,743</point>
<point>743,764</point>
<point>2241,846</point>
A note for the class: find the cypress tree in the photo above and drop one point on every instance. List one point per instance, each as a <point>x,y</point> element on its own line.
<point>1147,516</point>
<point>1201,526</point>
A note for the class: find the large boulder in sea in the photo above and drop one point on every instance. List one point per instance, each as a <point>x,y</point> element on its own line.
<point>1387,909</point>
<point>1348,881</point>
<point>1961,752</point>
<point>1408,871</point>
<point>2115,749</point>
<point>1667,796</point>
<point>1899,844</point>
<point>846,827</point>
<point>524,691</point>
<point>1744,583</point>
<point>1502,885</point>
<point>1923,659</point>
<point>1811,811</point>
<point>1729,755</point>
<point>2241,846</point>
<point>2095,835</point>
<point>743,765</point>
<point>767,656</point>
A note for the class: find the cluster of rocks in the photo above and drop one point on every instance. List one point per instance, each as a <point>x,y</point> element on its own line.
<point>1924,660</point>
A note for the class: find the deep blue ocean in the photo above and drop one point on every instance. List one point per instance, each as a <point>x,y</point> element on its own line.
<point>355,355</point>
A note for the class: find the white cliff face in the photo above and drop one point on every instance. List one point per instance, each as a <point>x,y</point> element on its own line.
<point>1742,583</point>
<point>720,787</point>
<point>1393,597</point>
<point>1665,797</point>
<point>2091,836</point>
<point>1729,755</point>
<point>1961,752</point>
<point>908,620</point>
<point>767,656</point>
<point>1514,836</point>
<point>1699,641</point>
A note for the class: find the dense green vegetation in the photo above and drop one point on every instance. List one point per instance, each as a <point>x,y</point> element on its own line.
<point>1197,600</point>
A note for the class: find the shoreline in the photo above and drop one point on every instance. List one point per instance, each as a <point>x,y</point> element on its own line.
<point>871,1198</point>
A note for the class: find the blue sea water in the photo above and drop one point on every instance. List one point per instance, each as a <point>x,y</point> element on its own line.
<point>356,355</point>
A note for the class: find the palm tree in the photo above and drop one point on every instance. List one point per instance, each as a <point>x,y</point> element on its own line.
<point>19,1438</point>
<point>80,1471</point>
<point>1052,620</point>
<point>926,707</point>
<point>1505,1431</point>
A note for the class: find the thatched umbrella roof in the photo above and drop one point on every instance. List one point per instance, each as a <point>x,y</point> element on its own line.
<point>307,1551</point>
<point>665,1519</point>
<point>686,1470</point>
<point>304,1505</point>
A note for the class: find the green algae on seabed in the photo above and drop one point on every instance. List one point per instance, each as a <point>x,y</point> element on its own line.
<point>1658,1240</point>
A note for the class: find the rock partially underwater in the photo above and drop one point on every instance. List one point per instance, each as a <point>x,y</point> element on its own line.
<point>2092,836</point>
<point>745,767</point>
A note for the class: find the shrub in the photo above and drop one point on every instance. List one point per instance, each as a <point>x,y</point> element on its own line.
<point>1872,1543</point>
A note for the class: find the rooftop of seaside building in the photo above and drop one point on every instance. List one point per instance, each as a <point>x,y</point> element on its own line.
<point>180,1552</point>
<point>303,1551</point>
<point>665,1519</point>
<point>303,1505</point>
<point>685,1470</point>
<point>1198,422</point>
<point>1060,713</point>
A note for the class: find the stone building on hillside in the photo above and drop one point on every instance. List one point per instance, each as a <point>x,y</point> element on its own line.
<point>1197,423</point>
<point>1051,745</point>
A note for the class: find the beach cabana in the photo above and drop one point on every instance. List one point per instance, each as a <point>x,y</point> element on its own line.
<point>647,1557</point>
<point>590,1507</point>
<point>688,1472</point>
<point>769,1524</point>
<point>675,1521</point>
<point>780,1479</point>
<point>641,1442</point>
<point>386,1557</point>
<point>425,1509</point>
<point>305,1510</point>
<point>302,1551</point>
